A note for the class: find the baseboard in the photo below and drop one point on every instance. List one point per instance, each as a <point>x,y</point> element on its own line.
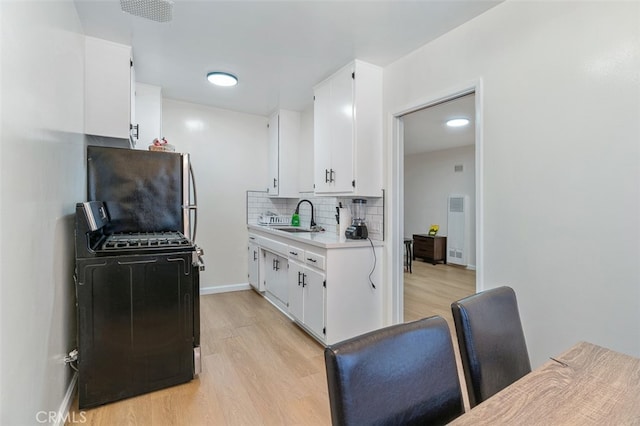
<point>224,288</point>
<point>65,405</point>
<point>471,267</point>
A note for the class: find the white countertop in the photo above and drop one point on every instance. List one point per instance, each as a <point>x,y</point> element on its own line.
<point>324,239</point>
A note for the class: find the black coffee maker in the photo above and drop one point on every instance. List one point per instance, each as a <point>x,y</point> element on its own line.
<point>358,229</point>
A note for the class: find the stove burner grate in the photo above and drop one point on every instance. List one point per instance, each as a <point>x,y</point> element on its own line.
<point>145,240</point>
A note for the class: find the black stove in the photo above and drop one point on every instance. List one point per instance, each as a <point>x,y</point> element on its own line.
<point>138,308</point>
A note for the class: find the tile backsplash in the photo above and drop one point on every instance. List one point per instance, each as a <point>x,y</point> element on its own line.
<point>259,202</point>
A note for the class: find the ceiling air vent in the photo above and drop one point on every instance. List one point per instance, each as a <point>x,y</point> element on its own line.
<point>155,10</point>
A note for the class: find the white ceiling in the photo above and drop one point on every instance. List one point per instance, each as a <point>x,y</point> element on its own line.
<point>278,49</point>
<point>426,131</point>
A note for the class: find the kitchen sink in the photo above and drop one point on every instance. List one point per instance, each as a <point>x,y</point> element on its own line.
<point>292,229</point>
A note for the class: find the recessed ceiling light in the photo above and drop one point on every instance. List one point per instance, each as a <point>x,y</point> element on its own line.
<point>222,79</point>
<point>457,122</point>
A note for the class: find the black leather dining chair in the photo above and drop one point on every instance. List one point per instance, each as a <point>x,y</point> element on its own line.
<point>492,345</point>
<point>404,374</point>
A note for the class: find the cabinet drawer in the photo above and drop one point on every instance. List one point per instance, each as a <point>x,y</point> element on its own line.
<point>296,253</point>
<point>274,246</point>
<point>314,259</point>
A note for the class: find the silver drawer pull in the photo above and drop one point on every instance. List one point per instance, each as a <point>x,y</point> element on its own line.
<point>311,260</point>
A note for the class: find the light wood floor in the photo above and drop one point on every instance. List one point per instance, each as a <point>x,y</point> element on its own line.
<point>430,289</point>
<point>261,369</point>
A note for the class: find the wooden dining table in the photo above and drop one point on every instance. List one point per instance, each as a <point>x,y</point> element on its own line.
<point>585,385</point>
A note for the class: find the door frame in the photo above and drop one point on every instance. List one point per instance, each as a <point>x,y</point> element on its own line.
<point>396,212</point>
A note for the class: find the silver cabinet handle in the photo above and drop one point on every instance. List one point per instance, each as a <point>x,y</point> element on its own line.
<point>134,130</point>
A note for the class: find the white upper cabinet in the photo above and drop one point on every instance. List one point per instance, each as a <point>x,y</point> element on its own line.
<point>348,132</point>
<point>109,89</point>
<point>284,137</point>
<point>148,114</point>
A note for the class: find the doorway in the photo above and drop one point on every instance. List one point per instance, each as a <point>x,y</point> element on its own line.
<point>414,213</point>
<point>439,168</point>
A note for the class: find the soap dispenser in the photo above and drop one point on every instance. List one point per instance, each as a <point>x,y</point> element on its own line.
<point>295,219</point>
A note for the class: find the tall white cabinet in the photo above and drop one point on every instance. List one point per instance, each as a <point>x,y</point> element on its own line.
<point>109,90</point>
<point>348,132</point>
<point>284,138</point>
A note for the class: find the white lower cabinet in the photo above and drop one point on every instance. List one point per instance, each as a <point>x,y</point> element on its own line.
<point>332,293</point>
<point>307,297</point>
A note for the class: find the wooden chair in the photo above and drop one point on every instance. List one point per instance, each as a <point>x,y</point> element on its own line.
<point>492,345</point>
<point>400,375</point>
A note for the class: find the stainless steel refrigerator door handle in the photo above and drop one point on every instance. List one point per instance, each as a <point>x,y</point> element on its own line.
<point>187,205</point>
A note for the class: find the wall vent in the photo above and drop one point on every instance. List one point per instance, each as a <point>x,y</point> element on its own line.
<point>458,168</point>
<point>155,10</point>
<point>458,229</point>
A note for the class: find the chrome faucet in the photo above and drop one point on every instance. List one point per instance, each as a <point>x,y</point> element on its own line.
<point>313,223</point>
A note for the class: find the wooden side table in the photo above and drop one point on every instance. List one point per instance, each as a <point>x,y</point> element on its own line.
<point>430,248</point>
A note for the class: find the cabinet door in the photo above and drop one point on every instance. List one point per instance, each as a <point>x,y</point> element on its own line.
<point>333,134</point>
<point>322,137</point>
<point>273,182</point>
<point>342,115</point>
<point>269,271</point>
<point>253,261</point>
<point>134,126</point>
<point>108,88</point>
<point>313,300</point>
<point>296,272</point>
<point>148,114</point>
<point>276,281</point>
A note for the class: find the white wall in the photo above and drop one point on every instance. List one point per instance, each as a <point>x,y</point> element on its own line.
<point>429,179</point>
<point>42,176</point>
<point>560,99</point>
<point>229,156</point>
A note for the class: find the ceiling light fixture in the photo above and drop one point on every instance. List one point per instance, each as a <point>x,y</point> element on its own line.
<point>222,79</point>
<point>457,122</point>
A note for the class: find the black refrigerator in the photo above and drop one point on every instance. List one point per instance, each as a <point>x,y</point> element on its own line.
<point>137,275</point>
